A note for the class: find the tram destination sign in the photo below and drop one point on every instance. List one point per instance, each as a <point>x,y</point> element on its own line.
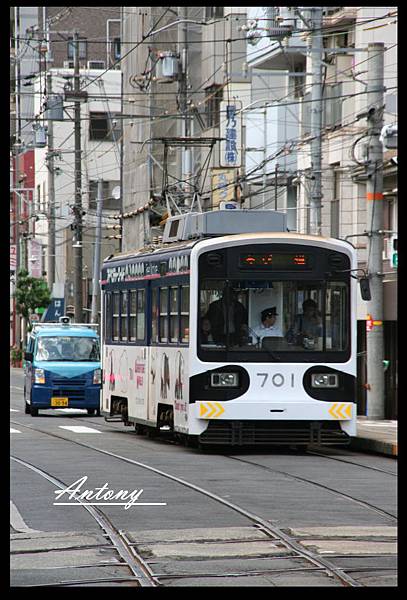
<point>282,261</point>
<point>138,270</point>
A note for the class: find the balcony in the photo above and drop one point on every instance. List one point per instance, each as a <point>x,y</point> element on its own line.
<point>345,15</point>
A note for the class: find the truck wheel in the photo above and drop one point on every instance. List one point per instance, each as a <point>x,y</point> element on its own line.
<point>27,408</point>
<point>33,411</point>
<point>91,411</point>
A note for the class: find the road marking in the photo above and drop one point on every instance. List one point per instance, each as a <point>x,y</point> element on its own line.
<point>17,522</point>
<point>14,410</point>
<point>14,430</point>
<point>79,429</point>
<point>14,387</point>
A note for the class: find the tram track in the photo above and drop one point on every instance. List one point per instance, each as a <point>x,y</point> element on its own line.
<point>273,532</point>
<point>362,503</point>
<point>138,567</point>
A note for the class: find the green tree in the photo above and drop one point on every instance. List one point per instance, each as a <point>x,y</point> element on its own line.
<point>31,293</point>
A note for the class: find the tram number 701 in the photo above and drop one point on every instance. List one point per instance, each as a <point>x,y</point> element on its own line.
<point>278,379</point>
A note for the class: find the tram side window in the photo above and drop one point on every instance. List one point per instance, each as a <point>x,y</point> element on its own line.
<point>141,318</point>
<point>174,315</point>
<point>154,315</point>
<point>133,315</point>
<point>337,332</point>
<point>116,315</point>
<point>137,316</point>
<point>185,313</point>
<point>108,316</point>
<point>163,335</point>
<point>124,314</point>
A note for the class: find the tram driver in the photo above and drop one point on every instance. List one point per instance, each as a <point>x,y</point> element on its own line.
<point>267,327</point>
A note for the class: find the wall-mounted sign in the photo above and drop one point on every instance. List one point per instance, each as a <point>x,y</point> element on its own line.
<point>231,131</point>
<point>223,186</point>
<point>35,258</point>
<point>13,257</point>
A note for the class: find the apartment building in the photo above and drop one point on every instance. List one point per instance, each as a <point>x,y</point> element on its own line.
<point>346,33</point>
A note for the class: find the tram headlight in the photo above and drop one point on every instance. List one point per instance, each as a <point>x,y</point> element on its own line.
<point>39,376</point>
<point>97,376</point>
<point>225,379</point>
<point>324,380</point>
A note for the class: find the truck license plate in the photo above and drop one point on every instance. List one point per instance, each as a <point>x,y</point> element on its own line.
<point>59,401</point>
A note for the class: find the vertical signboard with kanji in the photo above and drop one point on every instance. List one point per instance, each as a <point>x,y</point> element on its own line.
<point>231,134</point>
<point>35,258</point>
<point>13,257</point>
<point>223,186</point>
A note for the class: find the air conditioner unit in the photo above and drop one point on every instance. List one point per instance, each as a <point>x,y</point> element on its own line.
<point>96,64</point>
<point>69,64</point>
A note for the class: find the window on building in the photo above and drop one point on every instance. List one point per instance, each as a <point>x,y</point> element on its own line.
<point>213,12</point>
<point>83,49</point>
<point>213,98</point>
<point>332,107</point>
<point>109,201</point>
<point>306,114</point>
<point>104,127</point>
<point>335,201</point>
<point>37,206</point>
<point>116,48</point>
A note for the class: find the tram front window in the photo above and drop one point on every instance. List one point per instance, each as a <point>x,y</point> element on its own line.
<point>281,316</point>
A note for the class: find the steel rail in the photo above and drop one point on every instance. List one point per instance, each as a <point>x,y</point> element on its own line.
<point>271,530</point>
<point>136,564</point>
<point>350,462</point>
<point>362,503</point>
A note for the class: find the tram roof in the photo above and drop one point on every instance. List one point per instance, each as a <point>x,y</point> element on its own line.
<point>188,244</point>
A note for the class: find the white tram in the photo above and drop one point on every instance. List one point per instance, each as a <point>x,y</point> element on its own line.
<point>185,347</point>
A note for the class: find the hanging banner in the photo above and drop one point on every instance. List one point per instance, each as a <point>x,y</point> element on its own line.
<point>223,188</point>
<point>13,257</point>
<point>35,258</point>
<point>231,131</point>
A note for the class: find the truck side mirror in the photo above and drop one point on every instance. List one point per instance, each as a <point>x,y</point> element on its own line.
<point>28,356</point>
<point>365,288</point>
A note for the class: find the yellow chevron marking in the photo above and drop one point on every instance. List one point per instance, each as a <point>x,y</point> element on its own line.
<point>336,411</point>
<point>332,411</point>
<point>215,410</point>
<point>203,410</point>
<point>221,409</point>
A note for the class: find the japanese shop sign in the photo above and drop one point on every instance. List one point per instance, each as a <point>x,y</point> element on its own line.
<point>231,131</point>
<point>223,188</point>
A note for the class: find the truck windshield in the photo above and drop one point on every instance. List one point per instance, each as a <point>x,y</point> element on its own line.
<point>67,348</point>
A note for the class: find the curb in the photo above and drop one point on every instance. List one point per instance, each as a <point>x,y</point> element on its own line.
<point>378,446</point>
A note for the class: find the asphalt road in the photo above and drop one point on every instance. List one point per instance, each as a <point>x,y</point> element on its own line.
<point>263,518</point>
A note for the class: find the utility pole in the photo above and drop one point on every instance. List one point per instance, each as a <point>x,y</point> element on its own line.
<point>51,195</point>
<point>77,246</point>
<point>17,236</point>
<point>186,152</point>
<point>374,201</point>
<point>316,122</point>
<point>96,255</point>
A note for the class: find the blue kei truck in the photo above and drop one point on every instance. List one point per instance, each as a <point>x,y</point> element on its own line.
<point>62,367</point>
